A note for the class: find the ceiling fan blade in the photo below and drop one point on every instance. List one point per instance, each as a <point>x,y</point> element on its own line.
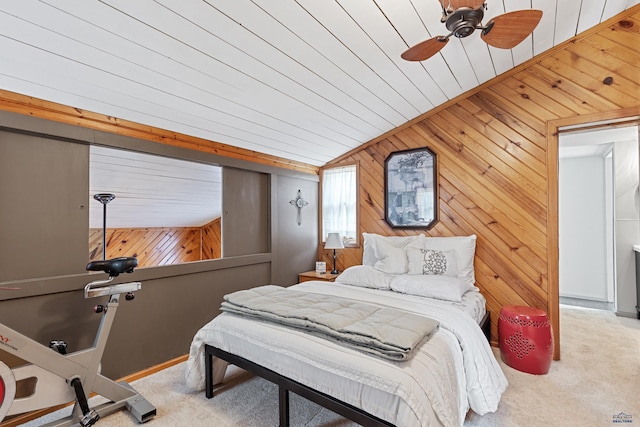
<point>508,30</point>
<point>425,49</point>
<point>457,4</point>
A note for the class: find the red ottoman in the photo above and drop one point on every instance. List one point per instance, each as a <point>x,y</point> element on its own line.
<point>526,339</point>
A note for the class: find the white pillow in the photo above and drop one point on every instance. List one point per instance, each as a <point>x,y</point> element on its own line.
<point>364,276</point>
<point>390,259</point>
<point>370,239</point>
<point>429,261</point>
<point>430,286</point>
<point>464,248</point>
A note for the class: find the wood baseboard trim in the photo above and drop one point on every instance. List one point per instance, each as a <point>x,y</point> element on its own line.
<point>30,416</point>
<point>154,369</point>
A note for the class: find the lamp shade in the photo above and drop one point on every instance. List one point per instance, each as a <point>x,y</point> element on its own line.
<point>333,241</point>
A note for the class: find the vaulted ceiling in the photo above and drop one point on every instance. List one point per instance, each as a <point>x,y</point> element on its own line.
<point>304,80</point>
<point>152,191</point>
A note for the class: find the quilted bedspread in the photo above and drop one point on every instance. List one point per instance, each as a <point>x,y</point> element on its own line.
<point>383,331</point>
<point>452,372</point>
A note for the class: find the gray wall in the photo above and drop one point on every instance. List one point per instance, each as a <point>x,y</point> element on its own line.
<point>41,202</point>
<point>44,185</point>
<point>582,220</point>
<point>245,212</point>
<point>290,238</point>
<point>627,224</point>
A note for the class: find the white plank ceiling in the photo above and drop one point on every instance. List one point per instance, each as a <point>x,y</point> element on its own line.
<point>152,191</point>
<point>305,80</point>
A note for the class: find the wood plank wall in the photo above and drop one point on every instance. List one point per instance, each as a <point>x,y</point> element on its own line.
<point>494,175</point>
<point>159,246</point>
<point>30,106</point>
<point>211,238</point>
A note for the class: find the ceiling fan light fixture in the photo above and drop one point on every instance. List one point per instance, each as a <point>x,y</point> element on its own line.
<point>464,21</point>
<point>463,17</point>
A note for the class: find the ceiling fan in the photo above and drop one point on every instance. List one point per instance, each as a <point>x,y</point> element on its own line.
<point>463,17</point>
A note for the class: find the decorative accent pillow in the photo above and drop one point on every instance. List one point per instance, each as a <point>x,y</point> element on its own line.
<point>432,262</point>
<point>464,248</point>
<point>364,276</point>
<point>430,286</point>
<point>370,239</point>
<point>389,258</point>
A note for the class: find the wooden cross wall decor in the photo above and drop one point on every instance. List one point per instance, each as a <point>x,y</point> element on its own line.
<point>299,203</point>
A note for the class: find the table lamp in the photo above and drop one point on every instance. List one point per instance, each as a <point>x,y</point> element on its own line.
<point>334,242</point>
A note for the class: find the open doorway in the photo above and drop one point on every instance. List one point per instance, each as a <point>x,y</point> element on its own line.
<point>599,218</point>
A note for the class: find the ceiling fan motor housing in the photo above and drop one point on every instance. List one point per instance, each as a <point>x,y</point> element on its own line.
<point>464,21</point>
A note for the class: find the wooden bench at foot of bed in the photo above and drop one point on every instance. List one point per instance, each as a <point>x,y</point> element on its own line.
<point>285,385</point>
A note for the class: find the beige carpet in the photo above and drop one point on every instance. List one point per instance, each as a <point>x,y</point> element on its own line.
<point>597,383</point>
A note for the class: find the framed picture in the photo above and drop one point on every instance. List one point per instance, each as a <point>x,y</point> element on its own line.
<point>410,186</point>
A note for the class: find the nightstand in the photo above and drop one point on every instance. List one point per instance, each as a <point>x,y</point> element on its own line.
<point>312,275</point>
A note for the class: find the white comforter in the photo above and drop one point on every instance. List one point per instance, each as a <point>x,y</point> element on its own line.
<point>454,371</point>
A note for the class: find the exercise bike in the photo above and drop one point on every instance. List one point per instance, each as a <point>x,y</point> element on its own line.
<point>65,378</point>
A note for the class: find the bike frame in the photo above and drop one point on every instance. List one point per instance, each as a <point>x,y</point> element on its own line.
<point>55,372</point>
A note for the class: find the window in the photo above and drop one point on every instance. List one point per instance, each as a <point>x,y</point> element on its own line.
<point>340,203</point>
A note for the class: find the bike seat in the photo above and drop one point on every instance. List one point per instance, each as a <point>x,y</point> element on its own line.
<point>114,266</point>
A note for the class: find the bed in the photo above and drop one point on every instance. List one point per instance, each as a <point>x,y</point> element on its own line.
<point>451,373</point>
